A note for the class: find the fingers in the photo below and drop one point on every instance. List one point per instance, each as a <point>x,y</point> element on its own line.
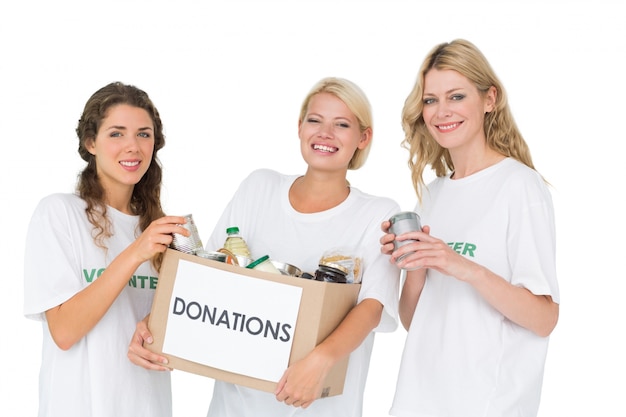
<point>141,356</point>
<point>298,403</point>
<point>145,358</point>
<point>297,397</point>
<point>159,235</point>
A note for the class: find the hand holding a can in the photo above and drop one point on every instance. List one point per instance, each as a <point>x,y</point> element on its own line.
<point>400,229</point>
<point>158,236</point>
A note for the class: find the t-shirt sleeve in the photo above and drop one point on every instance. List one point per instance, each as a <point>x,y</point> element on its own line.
<point>381,279</point>
<point>51,274</point>
<point>532,239</point>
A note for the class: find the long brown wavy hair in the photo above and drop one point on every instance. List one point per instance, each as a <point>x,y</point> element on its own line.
<point>500,128</point>
<point>146,198</point>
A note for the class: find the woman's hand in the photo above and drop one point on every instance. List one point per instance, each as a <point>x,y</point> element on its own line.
<point>141,356</point>
<point>430,252</point>
<point>158,236</point>
<point>386,241</point>
<point>301,384</point>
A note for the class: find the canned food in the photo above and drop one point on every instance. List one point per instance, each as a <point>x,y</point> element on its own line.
<point>215,256</point>
<point>186,244</point>
<point>404,222</point>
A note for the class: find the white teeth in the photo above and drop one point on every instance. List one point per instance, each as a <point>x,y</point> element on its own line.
<point>448,127</point>
<point>129,164</point>
<point>324,148</point>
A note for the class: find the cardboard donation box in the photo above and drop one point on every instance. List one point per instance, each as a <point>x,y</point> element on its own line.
<point>243,326</point>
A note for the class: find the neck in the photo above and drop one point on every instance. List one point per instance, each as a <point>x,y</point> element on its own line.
<point>120,201</point>
<point>471,164</point>
<point>314,193</point>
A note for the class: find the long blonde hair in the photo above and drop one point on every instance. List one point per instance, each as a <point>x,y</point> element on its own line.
<point>501,131</point>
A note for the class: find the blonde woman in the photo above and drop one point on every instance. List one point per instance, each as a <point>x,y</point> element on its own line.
<point>296,218</point>
<point>480,297</point>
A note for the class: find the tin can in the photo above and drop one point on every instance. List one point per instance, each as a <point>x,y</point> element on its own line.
<point>215,256</point>
<point>404,222</point>
<point>190,244</point>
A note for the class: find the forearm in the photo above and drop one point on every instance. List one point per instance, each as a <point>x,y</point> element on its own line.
<point>349,335</point>
<point>411,291</point>
<point>537,313</point>
<point>72,320</point>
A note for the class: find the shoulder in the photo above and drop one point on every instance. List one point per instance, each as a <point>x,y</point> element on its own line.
<point>263,175</point>
<point>60,201</point>
<point>263,180</point>
<point>381,202</point>
<point>57,212</point>
<point>517,173</point>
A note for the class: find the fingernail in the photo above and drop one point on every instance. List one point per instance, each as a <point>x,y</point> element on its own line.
<point>149,340</point>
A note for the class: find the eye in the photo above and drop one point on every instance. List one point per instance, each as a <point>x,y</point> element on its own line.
<point>145,135</point>
<point>115,134</point>
<point>343,124</point>
<point>312,120</point>
<point>429,100</point>
<point>457,97</point>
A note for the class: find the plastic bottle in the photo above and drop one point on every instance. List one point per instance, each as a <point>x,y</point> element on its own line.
<point>236,244</point>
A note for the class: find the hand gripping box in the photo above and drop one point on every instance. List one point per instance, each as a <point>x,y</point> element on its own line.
<point>243,326</point>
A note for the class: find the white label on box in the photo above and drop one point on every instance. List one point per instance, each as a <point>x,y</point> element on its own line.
<point>231,322</point>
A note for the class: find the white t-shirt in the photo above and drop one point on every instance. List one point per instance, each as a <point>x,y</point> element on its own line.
<point>94,378</point>
<point>270,226</point>
<point>462,358</point>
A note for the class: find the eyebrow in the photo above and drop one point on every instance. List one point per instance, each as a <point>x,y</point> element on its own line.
<point>452,90</point>
<point>124,128</point>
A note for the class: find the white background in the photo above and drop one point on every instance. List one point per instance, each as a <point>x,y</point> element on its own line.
<point>228,79</point>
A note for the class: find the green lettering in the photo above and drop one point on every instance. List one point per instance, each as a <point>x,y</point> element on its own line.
<point>457,247</point>
<point>469,249</point>
<point>142,281</point>
<point>89,275</point>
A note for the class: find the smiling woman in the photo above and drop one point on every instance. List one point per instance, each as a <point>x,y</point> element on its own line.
<point>321,209</point>
<point>81,250</point>
<point>125,140</point>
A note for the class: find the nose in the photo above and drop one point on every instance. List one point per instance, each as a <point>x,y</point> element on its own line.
<point>132,143</point>
<point>443,110</point>
<point>326,130</point>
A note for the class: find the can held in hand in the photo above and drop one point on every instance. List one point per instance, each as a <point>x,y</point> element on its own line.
<point>404,222</point>
<point>189,244</point>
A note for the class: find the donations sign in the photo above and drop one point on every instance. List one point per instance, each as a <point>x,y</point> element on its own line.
<point>232,322</point>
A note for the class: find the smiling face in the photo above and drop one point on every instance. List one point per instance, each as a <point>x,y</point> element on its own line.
<point>123,148</point>
<point>330,133</point>
<point>454,110</point>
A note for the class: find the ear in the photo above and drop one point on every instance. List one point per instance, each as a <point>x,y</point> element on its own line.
<point>90,145</point>
<point>366,137</point>
<point>490,99</point>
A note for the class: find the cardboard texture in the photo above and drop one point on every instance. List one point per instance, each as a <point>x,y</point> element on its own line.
<point>322,307</point>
